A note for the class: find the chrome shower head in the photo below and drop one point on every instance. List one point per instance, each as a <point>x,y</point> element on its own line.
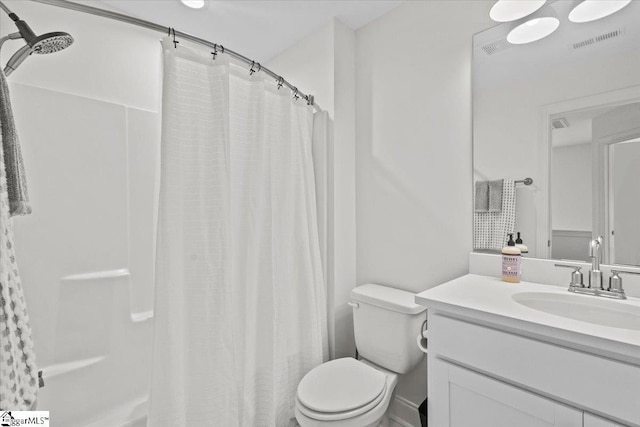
<point>46,43</point>
<point>51,42</point>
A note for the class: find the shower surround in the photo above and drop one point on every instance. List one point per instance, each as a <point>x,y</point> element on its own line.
<point>88,119</point>
<point>86,252</point>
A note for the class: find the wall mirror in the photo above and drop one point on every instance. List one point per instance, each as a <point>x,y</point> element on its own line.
<point>565,111</point>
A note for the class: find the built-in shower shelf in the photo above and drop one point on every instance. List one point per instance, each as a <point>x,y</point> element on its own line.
<point>67,367</point>
<point>97,275</point>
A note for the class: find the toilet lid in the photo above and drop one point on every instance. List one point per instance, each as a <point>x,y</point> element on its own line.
<point>340,385</point>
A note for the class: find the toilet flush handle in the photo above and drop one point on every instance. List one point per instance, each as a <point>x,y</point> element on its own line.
<point>353,304</point>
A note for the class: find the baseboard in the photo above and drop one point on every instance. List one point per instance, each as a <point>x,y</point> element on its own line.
<point>404,413</point>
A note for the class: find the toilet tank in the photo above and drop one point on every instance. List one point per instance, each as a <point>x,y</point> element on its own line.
<point>386,322</point>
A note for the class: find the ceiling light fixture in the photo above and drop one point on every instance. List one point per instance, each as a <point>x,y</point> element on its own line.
<point>194,4</point>
<point>533,28</point>
<point>512,10</point>
<point>591,10</point>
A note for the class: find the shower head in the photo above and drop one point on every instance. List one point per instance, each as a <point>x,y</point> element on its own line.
<point>43,44</point>
<point>46,43</point>
<point>50,42</point>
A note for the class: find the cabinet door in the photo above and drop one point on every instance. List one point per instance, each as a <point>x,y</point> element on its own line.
<point>463,398</point>
<point>593,421</point>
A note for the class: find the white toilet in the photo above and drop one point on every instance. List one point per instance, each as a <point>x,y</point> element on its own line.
<point>356,393</point>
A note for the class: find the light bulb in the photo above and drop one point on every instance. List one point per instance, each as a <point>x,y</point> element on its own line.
<point>591,10</point>
<point>512,10</point>
<point>194,4</point>
<point>533,30</point>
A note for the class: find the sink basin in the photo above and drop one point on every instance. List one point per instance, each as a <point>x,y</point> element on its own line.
<point>585,308</point>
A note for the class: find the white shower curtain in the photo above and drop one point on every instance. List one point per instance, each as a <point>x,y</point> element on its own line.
<point>240,312</point>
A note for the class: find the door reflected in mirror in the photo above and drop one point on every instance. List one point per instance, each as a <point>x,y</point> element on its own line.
<point>624,202</point>
<point>584,144</point>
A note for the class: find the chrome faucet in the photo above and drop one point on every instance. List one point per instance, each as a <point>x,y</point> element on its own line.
<point>595,253</point>
<point>595,276</point>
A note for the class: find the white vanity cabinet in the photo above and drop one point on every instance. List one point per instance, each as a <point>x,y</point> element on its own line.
<point>473,399</point>
<point>485,377</point>
<point>493,366</point>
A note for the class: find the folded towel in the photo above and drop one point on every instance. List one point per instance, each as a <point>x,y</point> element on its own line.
<point>14,166</point>
<point>482,196</point>
<point>495,195</point>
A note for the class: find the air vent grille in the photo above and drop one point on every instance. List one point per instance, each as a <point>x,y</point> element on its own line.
<point>598,39</point>
<point>495,47</point>
<point>560,123</point>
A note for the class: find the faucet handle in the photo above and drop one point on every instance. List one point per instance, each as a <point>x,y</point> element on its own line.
<point>615,281</point>
<point>576,275</point>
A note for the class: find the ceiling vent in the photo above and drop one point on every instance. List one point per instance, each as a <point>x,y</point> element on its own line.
<point>559,123</point>
<point>495,47</point>
<point>598,39</point>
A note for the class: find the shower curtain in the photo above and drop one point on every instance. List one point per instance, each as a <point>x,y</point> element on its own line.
<point>240,313</point>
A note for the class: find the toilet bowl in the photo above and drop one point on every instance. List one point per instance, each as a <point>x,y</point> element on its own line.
<point>345,393</point>
<point>356,393</point>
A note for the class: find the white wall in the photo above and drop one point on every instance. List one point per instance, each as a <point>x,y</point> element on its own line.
<point>88,119</point>
<point>309,64</point>
<point>414,148</point>
<point>572,183</point>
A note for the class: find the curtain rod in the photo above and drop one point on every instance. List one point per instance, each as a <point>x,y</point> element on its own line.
<point>65,4</point>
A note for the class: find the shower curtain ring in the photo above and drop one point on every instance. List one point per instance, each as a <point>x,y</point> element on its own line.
<point>280,82</point>
<point>253,70</point>
<point>175,42</point>
<point>295,93</point>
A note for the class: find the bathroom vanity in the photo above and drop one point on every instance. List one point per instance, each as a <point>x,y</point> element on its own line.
<point>530,354</point>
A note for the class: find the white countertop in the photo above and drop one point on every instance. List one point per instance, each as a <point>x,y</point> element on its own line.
<point>489,301</point>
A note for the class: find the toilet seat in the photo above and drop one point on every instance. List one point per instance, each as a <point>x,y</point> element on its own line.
<point>340,389</point>
<point>337,416</point>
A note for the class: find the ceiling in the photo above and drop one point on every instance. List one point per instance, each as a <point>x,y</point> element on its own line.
<point>580,127</point>
<point>257,29</point>
<point>579,130</point>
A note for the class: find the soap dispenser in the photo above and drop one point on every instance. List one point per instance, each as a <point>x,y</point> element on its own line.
<point>523,248</point>
<point>511,258</point>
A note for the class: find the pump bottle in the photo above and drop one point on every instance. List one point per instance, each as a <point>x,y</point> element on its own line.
<point>511,259</point>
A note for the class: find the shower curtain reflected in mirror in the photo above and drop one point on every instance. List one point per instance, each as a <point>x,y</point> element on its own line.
<point>240,297</point>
